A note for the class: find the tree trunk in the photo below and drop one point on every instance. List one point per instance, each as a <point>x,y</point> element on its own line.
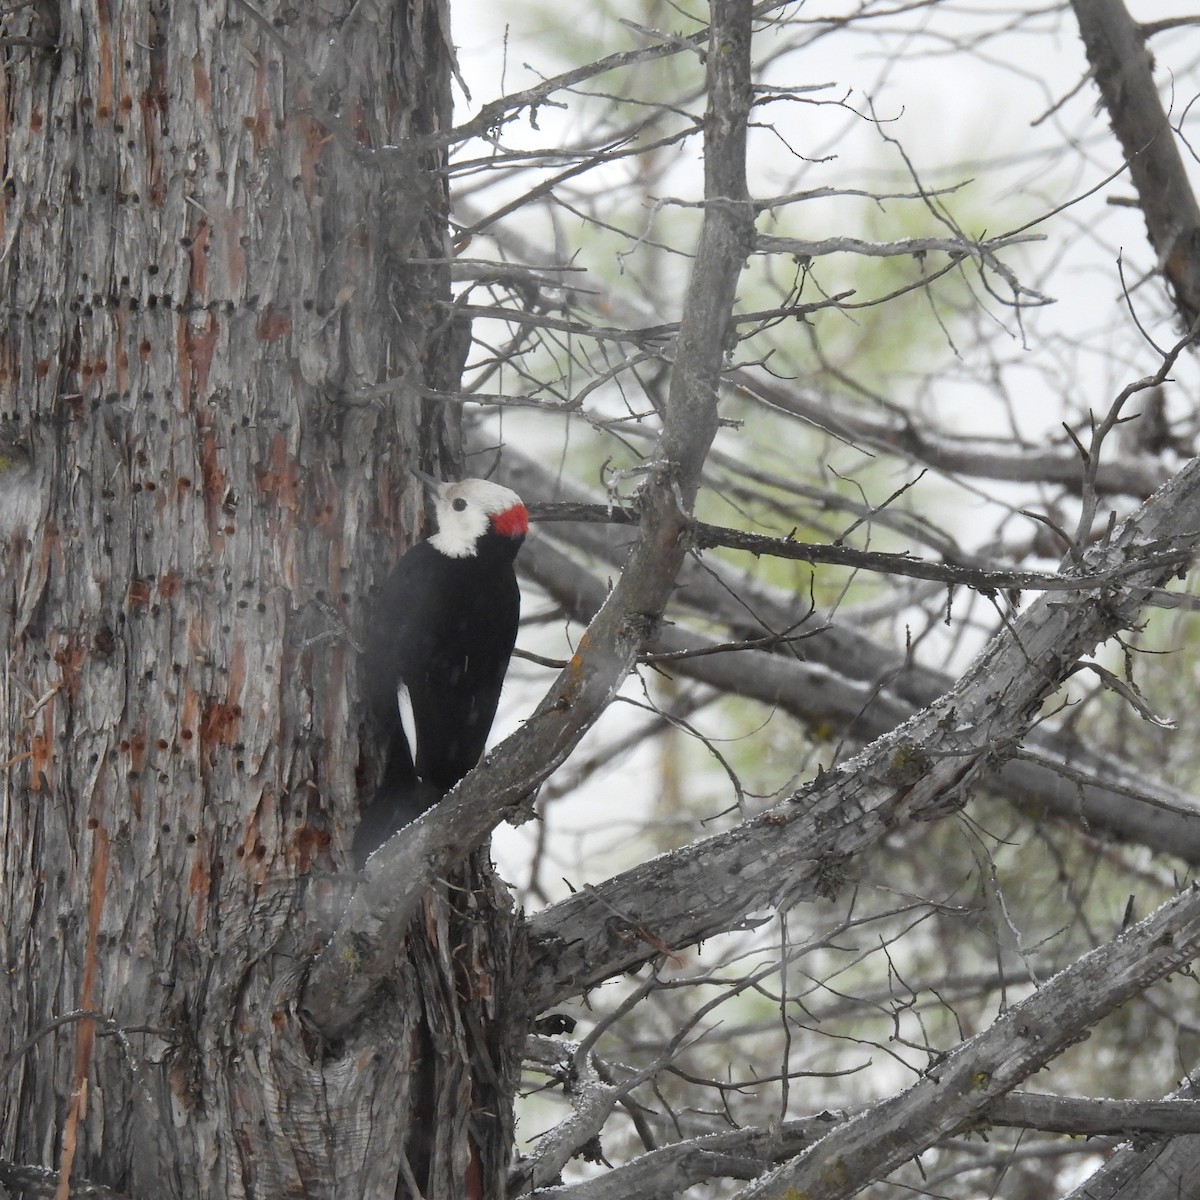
<point>217,233</point>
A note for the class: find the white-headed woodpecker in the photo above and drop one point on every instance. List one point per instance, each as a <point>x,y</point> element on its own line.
<point>437,651</point>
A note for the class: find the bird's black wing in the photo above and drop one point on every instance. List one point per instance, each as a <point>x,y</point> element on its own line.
<point>395,650</point>
<point>455,698</point>
<point>396,646</point>
<point>440,635</point>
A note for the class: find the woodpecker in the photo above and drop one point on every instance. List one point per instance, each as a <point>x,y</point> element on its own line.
<point>437,650</point>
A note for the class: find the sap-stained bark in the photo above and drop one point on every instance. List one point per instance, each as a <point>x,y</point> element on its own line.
<point>200,251</point>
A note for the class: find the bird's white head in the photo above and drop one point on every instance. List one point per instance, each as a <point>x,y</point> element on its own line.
<point>469,509</point>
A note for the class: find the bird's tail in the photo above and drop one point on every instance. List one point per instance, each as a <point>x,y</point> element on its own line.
<point>400,799</point>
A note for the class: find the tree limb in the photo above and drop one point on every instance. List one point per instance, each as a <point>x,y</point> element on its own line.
<point>1123,70</point>
<point>953,246</point>
<point>364,947</point>
<point>918,771</point>
<point>907,566</point>
<point>661,1174</point>
<point>1132,476</point>
<point>1163,1170</point>
<point>840,678</point>
<point>958,1090</point>
<point>748,1153</point>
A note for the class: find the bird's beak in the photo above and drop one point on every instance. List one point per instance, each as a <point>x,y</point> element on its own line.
<point>431,485</point>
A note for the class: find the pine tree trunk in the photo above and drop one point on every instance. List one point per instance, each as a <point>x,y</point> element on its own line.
<point>214,240</point>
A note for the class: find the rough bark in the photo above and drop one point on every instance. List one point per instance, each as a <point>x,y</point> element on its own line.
<point>362,951</point>
<point>1123,67</point>
<point>205,248</point>
<point>921,770</point>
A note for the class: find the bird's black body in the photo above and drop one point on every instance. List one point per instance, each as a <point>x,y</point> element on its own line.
<point>446,630</point>
<point>443,631</point>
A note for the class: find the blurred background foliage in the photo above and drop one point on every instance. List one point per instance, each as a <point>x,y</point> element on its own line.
<point>877,124</point>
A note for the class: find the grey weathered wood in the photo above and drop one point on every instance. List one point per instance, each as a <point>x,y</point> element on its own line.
<point>844,679</point>
<point>1122,67</point>
<point>363,950</point>
<point>1151,1169</point>
<point>918,771</point>
<point>957,1090</point>
<point>748,1153</point>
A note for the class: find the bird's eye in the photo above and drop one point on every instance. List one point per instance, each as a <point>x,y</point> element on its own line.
<point>459,504</point>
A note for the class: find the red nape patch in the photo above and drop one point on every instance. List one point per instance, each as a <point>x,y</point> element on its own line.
<point>512,522</point>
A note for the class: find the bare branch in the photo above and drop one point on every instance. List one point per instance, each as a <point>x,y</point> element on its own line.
<point>957,456</point>
<point>1088,1117</point>
<point>364,947</point>
<point>959,1089</point>
<point>1122,68</point>
<point>846,681</point>
<point>987,579</point>
<point>748,1153</point>
<point>919,771</point>
<point>1163,1170</point>
<point>955,247</point>
<point>661,1174</point>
